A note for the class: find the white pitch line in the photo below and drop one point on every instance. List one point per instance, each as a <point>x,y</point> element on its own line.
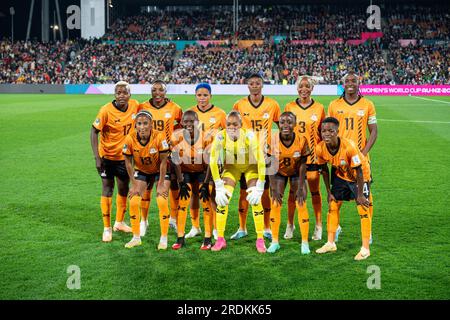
<point>415,121</point>
<point>428,99</point>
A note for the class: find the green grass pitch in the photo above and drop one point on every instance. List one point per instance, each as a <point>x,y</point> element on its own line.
<point>50,217</point>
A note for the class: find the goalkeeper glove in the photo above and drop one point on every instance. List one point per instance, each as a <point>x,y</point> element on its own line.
<point>255,193</point>
<point>222,194</point>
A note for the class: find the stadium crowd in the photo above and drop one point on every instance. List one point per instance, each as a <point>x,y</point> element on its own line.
<point>420,64</point>
<point>378,61</point>
<point>134,63</point>
<point>33,62</point>
<point>296,22</point>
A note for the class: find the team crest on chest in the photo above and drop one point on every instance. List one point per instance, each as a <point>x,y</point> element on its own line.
<point>342,162</point>
<point>296,154</point>
<point>314,117</point>
<point>212,120</point>
<point>152,151</point>
<point>265,115</point>
<point>360,113</point>
<point>133,116</point>
<point>168,115</point>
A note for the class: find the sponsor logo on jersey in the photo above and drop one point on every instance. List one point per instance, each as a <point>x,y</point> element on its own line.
<point>246,114</point>
<point>356,159</point>
<point>340,112</point>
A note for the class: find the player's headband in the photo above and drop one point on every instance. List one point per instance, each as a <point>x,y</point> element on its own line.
<point>144,113</point>
<point>203,85</point>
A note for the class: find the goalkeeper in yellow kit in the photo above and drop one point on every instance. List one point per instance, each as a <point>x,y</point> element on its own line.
<point>238,151</point>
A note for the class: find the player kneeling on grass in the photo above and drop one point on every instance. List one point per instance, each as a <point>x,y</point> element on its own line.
<point>239,152</point>
<point>351,181</point>
<point>148,150</point>
<point>190,153</point>
<point>289,151</point>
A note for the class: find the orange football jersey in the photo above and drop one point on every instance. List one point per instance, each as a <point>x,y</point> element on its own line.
<point>212,120</point>
<point>163,117</point>
<point>353,118</point>
<point>146,157</point>
<point>193,158</point>
<point>309,120</point>
<point>288,157</point>
<point>347,158</point>
<point>259,118</point>
<point>114,125</point>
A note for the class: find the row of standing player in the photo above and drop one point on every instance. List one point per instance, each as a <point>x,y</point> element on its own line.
<point>258,113</point>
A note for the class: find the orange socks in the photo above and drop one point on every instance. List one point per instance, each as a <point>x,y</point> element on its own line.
<point>121,206</point>
<point>291,208</point>
<point>207,218</point>
<point>265,201</point>
<point>134,215</point>
<point>105,205</point>
<point>183,206</point>
<point>163,207</point>
<point>275,218</point>
<point>366,222</point>
<point>303,221</point>
<point>173,194</point>
<point>333,216</point>
<point>145,204</point>
<point>195,217</point>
